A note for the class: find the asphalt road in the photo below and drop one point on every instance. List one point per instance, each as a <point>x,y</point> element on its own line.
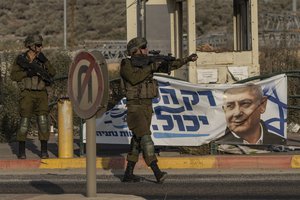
<point>279,184</point>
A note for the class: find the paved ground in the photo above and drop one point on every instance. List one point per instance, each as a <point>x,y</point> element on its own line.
<point>114,157</point>
<point>10,150</point>
<point>201,179</point>
<point>68,197</point>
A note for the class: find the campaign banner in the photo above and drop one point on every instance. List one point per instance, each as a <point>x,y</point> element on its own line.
<point>187,114</point>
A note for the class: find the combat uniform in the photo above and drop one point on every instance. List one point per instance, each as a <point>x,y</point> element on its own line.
<point>140,89</point>
<point>33,100</point>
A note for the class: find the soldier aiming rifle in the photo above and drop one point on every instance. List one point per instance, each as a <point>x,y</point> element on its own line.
<point>154,56</point>
<point>140,88</point>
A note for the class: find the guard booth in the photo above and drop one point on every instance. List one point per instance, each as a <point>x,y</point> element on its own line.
<point>170,26</point>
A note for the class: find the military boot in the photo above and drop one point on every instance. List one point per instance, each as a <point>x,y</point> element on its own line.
<point>159,175</point>
<point>44,151</point>
<point>21,154</point>
<point>129,176</point>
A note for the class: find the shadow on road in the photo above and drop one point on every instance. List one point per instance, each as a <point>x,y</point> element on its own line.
<point>30,145</point>
<point>14,148</point>
<point>114,158</point>
<point>47,187</point>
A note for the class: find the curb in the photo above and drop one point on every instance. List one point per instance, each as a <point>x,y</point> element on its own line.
<point>19,164</point>
<point>255,162</point>
<point>191,162</point>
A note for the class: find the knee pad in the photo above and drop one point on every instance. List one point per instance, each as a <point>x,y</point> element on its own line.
<point>24,124</point>
<point>43,123</point>
<point>135,146</point>
<point>147,146</point>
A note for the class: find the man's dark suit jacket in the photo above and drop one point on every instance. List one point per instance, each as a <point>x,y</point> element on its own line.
<point>268,138</point>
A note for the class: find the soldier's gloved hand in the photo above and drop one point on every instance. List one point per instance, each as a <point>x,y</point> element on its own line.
<point>193,57</point>
<point>164,67</point>
<point>30,73</point>
<point>41,57</point>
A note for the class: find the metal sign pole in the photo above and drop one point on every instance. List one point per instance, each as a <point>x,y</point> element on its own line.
<point>87,104</point>
<point>91,156</point>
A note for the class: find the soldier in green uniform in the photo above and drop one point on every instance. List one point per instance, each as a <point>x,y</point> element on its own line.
<point>33,73</point>
<point>140,89</point>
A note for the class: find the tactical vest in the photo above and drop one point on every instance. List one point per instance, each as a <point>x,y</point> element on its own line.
<point>32,83</point>
<point>148,89</point>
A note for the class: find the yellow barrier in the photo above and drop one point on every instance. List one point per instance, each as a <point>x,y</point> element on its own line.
<point>65,129</point>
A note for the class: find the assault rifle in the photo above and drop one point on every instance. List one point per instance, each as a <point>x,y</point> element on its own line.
<point>35,68</point>
<point>154,57</point>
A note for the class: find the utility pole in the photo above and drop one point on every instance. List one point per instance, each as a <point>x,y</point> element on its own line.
<point>65,24</point>
<point>141,21</point>
<point>72,41</point>
<point>1,96</point>
<point>295,6</point>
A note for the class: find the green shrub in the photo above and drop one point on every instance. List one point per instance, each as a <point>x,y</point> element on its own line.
<point>7,130</point>
<point>9,112</point>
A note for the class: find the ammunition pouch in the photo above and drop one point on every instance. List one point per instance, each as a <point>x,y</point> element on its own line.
<point>32,83</point>
<point>147,89</point>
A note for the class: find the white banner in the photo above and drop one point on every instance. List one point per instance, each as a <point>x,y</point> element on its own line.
<point>188,114</point>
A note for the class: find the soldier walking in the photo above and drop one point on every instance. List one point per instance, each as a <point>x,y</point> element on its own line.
<point>140,89</point>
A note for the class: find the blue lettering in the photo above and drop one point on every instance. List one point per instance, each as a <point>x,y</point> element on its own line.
<point>179,122</point>
<point>194,120</point>
<point>191,123</point>
<point>209,96</point>
<point>190,100</point>
<point>125,133</point>
<point>167,94</point>
<point>107,133</point>
<point>203,119</point>
<point>98,133</point>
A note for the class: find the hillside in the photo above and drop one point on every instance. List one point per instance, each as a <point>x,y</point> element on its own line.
<point>99,20</point>
<point>91,19</point>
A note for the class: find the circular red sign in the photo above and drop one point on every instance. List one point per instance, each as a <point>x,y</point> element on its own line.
<point>85,85</point>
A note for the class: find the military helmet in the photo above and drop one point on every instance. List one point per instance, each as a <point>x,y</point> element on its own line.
<point>33,40</point>
<point>135,43</point>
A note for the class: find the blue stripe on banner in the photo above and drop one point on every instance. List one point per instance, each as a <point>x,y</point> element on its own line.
<point>177,135</point>
<point>121,126</point>
<point>159,109</point>
<point>118,115</point>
